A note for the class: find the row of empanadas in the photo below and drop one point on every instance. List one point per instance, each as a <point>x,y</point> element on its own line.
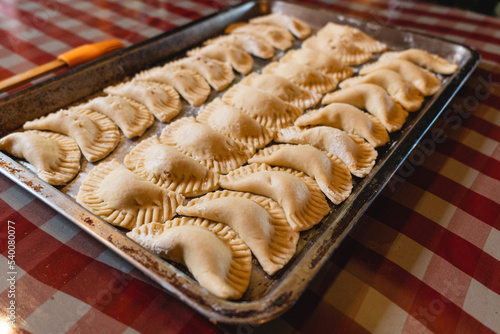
<point>297,27</point>
<point>189,84</point>
<point>131,117</point>
<point>259,221</point>
<point>304,76</point>
<point>348,44</point>
<point>299,195</point>
<point>320,61</point>
<point>218,74</point>
<point>280,38</point>
<point>333,178</point>
<point>267,109</point>
<point>199,141</point>
<point>264,206</point>
<point>160,99</point>
<point>239,60</point>
<point>373,99</point>
<point>283,89</point>
<point>125,199</point>
<point>352,150</point>
<point>212,252</point>
<point>426,82</point>
<point>236,124</point>
<point>348,118</point>
<point>166,167</point>
<point>55,157</point>
<point>95,134</point>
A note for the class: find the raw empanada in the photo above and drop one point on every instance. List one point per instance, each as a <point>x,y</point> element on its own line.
<point>260,222</point>
<point>207,146</point>
<point>298,195</point>
<point>423,58</point>
<point>236,57</point>
<point>212,252</point>
<point>353,35</point>
<point>354,152</point>
<point>296,26</point>
<point>55,157</point>
<point>426,82</point>
<point>284,89</point>
<point>123,198</point>
<point>339,48</point>
<point>373,99</point>
<point>161,100</point>
<point>168,168</point>
<point>320,61</point>
<point>348,118</point>
<point>304,76</point>
<point>234,123</point>
<point>131,117</point>
<point>400,90</point>
<point>265,108</point>
<point>333,178</point>
<point>278,37</point>
<point>189,84</point>
<point>95,134</point>
<point>218,74</point>
<point>251,44</point>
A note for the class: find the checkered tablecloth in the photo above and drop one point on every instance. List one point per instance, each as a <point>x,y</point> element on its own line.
<point>424,258</point>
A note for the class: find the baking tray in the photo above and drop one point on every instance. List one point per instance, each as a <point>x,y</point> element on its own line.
<point>267,297</point>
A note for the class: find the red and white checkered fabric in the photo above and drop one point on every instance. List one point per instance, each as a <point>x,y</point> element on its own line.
<point>424,258</point>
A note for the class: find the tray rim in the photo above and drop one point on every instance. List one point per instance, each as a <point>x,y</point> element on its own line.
<point>256,311</point>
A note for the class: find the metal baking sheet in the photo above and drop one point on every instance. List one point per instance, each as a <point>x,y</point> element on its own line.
<point>267,297</point>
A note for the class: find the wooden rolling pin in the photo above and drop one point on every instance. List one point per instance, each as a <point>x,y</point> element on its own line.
<point>69,59</point>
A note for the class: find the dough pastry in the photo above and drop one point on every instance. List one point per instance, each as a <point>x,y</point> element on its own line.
<point>278,37</point>
<point>161,100</point>
<point>333,178</point>
<point>354,152</point>
<point>251,44</point>
<point>168,168</point>
<point>189,84</point>
<point>234,123</point>
<point>284,89</point>
<point>422,58</point>
<point>320,61</point>
<point>259,222</point>
<point>304,76</point>
<point>131,117</point>
<point>123,198</point>
<point>339,48</point>
<point>296,26</point>
<point>55,157</point>
<point>353,35</point>
<point>212,252</point>
<point>218,74</point>
<point>400,90</point>
<point>267,109</point>
<point>237,58</point>
<point>95,134</point>
<point>426,82</point>
<point>373,99</point>
<point>207,146</point>
<point>299,196</point>
<point>349,119</point>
